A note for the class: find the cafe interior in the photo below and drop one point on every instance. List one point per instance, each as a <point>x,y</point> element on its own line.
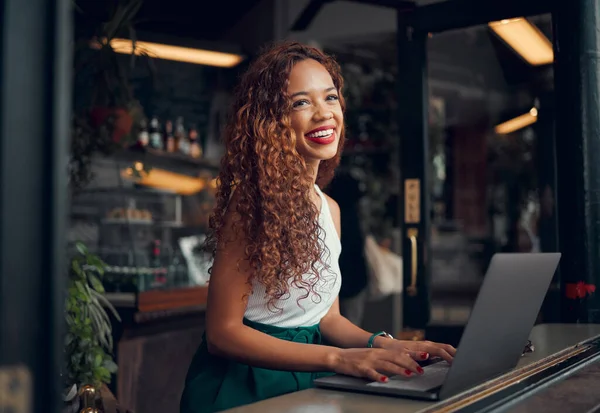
<point>144,148</point>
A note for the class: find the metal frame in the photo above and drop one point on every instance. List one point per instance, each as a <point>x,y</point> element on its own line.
<point>577,91</point>
<point>34,123</point>
<point>413,108</point>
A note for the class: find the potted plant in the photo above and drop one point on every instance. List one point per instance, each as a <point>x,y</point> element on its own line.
<point>88,339</point>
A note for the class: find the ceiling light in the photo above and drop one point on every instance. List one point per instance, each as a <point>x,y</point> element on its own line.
<point>165,180</point>
<point>169,52</point>
<point>525,39</point>
<point>517,123</point>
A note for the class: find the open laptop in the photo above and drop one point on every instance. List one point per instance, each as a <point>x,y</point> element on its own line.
<point>493,340</point>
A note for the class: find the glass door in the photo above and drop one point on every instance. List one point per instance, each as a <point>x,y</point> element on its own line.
<point>477,163</point>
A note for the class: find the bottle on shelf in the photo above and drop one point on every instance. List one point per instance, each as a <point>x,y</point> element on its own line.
<point>182,144</point>
<point>159,278</point>
<point>155,138</point>
<point>143,136</point>
<point>178,272</point>
<point>169,138</point>
<point>195,149</point>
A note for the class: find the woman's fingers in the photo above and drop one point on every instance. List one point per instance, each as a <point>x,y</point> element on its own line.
<point>445,355</point>
<point>392,369</point>
<point>418,355</point>
<point>372,374</point>
<point>444,351</point>
<point>404,361</point>
<point>451,350</point>
<point>379,364</point>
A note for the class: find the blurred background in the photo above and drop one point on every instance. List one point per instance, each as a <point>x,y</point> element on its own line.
<point>450,158</point>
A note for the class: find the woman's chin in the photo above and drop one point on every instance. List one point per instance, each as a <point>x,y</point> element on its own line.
<point>319,152</point>
<point>322,155</point>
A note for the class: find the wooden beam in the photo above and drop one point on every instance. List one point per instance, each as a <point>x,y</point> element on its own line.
<point>395,4</point>
<point>308,15</point>
<point>457,14</point>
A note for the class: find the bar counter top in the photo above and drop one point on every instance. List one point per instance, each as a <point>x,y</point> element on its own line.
<point>548,340</point>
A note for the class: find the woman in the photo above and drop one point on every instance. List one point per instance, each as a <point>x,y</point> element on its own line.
<point>272,301</point>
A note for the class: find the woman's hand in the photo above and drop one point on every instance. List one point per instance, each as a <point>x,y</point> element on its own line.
<point>375,363</point>
<point>419,350</point>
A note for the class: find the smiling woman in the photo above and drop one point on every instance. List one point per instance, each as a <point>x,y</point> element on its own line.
<point>317,117</point>
<point>273,293</point>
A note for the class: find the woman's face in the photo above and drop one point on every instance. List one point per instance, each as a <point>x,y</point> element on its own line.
<point>316,116</point>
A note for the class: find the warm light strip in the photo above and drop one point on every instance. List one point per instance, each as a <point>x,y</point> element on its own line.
<point>525,39</point>
<point>178,53</point>
<point>517,123</point>
<point>162,179</point>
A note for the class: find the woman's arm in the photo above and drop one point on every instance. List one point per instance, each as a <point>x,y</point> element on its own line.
<point>340,331</point>
<point>337,329</point>
<point>226,334</point>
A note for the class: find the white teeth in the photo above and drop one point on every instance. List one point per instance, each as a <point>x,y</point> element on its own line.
<point>321,134</point>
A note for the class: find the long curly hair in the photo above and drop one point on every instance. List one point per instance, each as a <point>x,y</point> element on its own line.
<point>271,180</point>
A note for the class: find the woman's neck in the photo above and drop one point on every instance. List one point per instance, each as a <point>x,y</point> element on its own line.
<point>313,170</point>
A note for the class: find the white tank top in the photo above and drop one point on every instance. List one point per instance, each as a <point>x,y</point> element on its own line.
<point>309,311</point>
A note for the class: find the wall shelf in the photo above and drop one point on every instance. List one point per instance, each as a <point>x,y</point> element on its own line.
<point>171,161</point>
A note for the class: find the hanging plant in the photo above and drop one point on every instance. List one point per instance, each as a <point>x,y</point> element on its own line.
<point>110,118</point>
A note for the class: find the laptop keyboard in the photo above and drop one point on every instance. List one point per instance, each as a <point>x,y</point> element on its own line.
<point>433,376</point>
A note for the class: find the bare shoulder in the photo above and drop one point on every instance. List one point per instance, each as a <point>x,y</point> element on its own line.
<point>333,206</point>
<point>335,213</point>
<point>232,216</point>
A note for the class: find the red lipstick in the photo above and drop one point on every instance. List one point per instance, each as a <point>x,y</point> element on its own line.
<point>321,140</point>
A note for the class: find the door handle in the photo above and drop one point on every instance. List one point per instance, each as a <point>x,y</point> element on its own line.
<point>412,235</point>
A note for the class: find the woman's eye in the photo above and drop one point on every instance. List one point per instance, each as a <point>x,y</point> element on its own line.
<point>299,103</point>
<point>332,97</point>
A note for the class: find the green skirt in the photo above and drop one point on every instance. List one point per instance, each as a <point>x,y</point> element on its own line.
<point>215,383</point>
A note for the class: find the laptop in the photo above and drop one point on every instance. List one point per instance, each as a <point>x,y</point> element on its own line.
<point>492,343</point>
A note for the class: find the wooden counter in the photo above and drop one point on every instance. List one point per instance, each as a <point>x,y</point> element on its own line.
<point>548,339</point>
<point>155,342</point>
<point>172,299</point>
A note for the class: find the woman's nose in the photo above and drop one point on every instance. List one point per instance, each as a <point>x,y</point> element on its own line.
<point>323,113</point>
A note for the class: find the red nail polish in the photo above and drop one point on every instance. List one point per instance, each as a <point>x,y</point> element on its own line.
<point>420,370</point>
<point>424,355</point>
<point>407,372</point>
<point>384,379</point>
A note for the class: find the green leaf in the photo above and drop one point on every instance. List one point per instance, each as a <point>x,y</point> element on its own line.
<point>69,339</point>
<point>81,248</point>
<point>96,284</point>
<point>103,374</point>
<point>89,359</point>
<point>97,263</point>
<point>110,365</point>
<point>98,360</point>
<point>76,359</point>
<point>80,288</point>
<point>102,299</point>
<point>77,268</point>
